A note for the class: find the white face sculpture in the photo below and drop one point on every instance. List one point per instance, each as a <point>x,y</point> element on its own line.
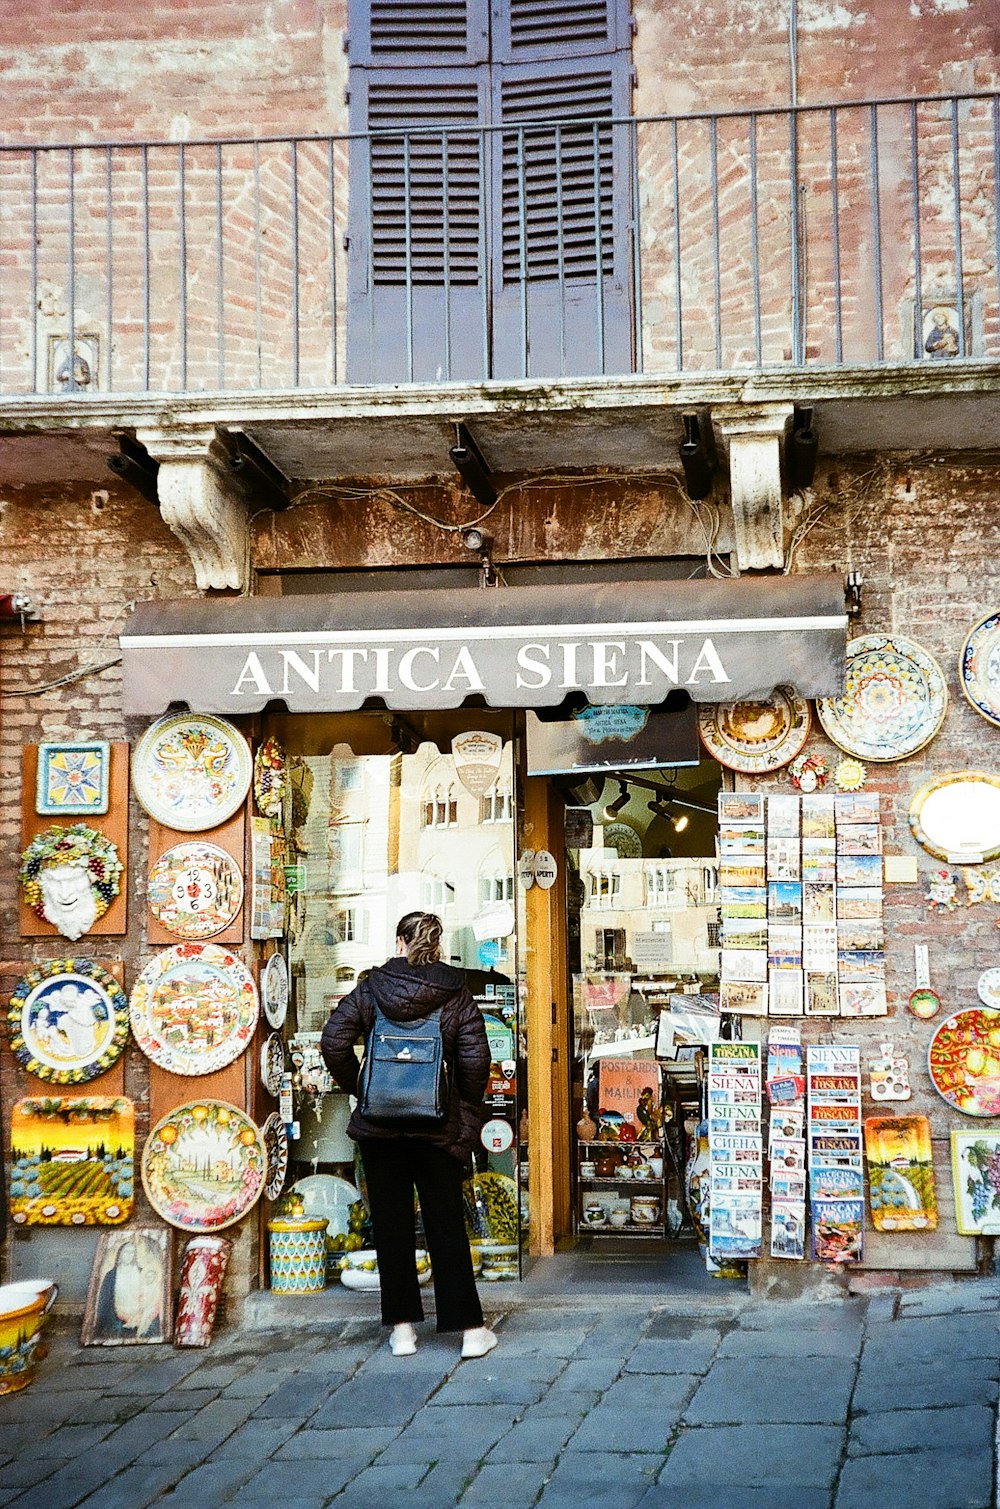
<point>68,901</point>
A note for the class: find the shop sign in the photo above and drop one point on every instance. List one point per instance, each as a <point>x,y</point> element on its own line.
<point>627,644</point>
<point>477,755</point>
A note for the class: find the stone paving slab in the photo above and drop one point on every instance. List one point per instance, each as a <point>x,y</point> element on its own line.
<point>934,1384</point>
<point>775,1390</point>
<point>663,1355</point>
<point>453,1432</point>
<point>727,1457</point>
<point>960,1430</point>
<point>599,1480</point>
<point>930,1479</point>
<point>738,1497</point>
<point>825,1342</point>
<point>511,1483</point>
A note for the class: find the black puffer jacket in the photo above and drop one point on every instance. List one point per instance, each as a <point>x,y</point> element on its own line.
<point>406,992</point>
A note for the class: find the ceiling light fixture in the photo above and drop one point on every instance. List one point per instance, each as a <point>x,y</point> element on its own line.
<point>620,802</point>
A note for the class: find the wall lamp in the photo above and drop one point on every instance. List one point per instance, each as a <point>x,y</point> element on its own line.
<point>17,605</point>
<point>697,458</point>
<point>472,467</point>
<point>802,449</point>
<point>481,544</point>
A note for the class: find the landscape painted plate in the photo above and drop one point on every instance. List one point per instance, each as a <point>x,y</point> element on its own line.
<point>194,1008</point>
<point>68,1021</point>
<point>894,701</point>
<point>963,1061</point>
<point>204,1165</point>
<point>195,889</point>
<point>191,773</point>
<point>979,668</point>
<point>988,988</point>
<point>754,736</point>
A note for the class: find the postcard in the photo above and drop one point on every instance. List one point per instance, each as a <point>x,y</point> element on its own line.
<point>784,938</point>
<point>818,902</point>
<point>741,807</point>
<point>857,903</point>
<point>861,964</point>
<point>744,932</point>
<point>744,964</point>
<point>741,838</point>
<point>857,807</point>
<point>824,845</point>
<point>859,838</point>
<point>788,1229</point>
<point>821,868</point>
<point>783,815</point>
<point>784,989</point>
<point>783,859</point>
<point>821,993</point>
<point>863,998</point>
<point>744,997</point>
<point>864,936</point>
<point>818,816</point>
<point>784,901</point>
<point>742,873</point>
<point>859,869</point>
<point>819,946</point>
<point>743,901</point>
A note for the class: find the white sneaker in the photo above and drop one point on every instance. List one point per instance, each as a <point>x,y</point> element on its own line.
<point>403,1340</point>
<point>477,1342</point>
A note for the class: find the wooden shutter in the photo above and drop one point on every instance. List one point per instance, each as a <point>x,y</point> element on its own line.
<point>418,33</point>
<point>417,242</point>
<point>562,245</point>
<point>529,30</point>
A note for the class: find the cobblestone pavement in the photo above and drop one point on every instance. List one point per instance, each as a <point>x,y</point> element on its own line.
<point>888,1403</point>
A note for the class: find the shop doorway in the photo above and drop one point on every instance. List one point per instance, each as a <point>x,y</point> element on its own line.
<point>393,814</point>
<point>643,966</point>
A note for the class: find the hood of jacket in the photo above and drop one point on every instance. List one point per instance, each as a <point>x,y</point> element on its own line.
<point>405,991</point>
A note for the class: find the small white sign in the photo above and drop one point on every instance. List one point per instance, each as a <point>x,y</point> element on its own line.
<point>497,1136</point>
<point>921,966</point>
<point>545,869</point>
<point>526,869</point>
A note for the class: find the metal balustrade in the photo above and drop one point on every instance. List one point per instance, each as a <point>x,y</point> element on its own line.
<point>850,235</point>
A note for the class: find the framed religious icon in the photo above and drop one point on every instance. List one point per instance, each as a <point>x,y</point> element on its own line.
<point>129,1298</point>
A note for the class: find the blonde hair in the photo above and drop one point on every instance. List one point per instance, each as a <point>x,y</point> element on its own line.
<point>421,932</point>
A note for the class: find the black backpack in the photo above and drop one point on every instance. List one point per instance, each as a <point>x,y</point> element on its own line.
<point>403,1075</point>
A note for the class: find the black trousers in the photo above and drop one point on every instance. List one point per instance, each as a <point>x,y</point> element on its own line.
<point>393,1166</point>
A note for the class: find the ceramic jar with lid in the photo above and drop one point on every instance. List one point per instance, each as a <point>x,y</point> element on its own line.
<point>645,1210</point>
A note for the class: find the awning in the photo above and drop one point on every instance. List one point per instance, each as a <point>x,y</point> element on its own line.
<point>626,643</point>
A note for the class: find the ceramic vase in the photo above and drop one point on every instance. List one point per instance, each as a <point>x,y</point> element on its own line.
<point>298,1255</point>
<point>23,1308</point>
<point>203,1269</point>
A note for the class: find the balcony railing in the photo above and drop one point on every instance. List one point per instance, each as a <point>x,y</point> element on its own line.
<point>852,235</point>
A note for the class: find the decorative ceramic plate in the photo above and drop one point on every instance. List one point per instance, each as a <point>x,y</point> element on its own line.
<point>326,1195</point>
<point>204,1165</point>
<point>623,838</point>
<point>956,817</point>
<point>195,889</point>
<point>272,1063</point>
<point>894,700</point>
<point>756,735</point>
<point>270,777</point>
<point>68,1021</point>
<point>275,1135</point>
<point>988,988</point>
<point>274,990</point>
<point>964,1061</point>
<point>979,668</point>
<point>924,1003</point>
<point>191,773</point>
<point>194,1008</point>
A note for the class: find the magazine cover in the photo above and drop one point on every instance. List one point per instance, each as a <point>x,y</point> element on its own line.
<point>838,1231</point>
<point>788,1229</point>
<point>900,1173</point>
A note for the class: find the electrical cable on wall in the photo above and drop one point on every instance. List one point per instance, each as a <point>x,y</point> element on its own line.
<point>92,668</point>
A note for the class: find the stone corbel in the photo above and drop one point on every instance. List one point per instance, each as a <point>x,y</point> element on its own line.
<point>754,436</point>
<point>207,513</point>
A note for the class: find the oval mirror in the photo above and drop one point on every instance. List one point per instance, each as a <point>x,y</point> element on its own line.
<point>956,817</point>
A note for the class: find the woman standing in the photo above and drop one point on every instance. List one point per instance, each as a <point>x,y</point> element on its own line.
<point>433,1158</point>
